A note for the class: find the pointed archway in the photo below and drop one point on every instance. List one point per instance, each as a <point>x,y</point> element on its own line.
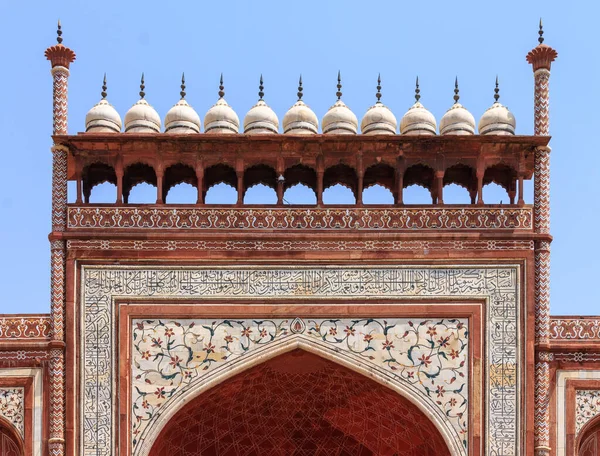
<point>299,404</point>
<point>10,443</point>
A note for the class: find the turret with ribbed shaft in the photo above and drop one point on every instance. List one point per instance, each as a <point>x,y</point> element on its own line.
<point>60,57</point>
<point>541,58</point>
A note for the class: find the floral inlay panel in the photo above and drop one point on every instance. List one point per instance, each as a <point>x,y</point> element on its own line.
<point>12,407</point>
<point>171,356</point>
<point>497,286</point>
<point>587,407</point>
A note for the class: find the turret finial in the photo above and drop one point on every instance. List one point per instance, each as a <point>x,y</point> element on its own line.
<point>221,87</point>
<point>541,32</point>
<point>59,39</point>
<point>142,87</point>
<point>103,93</point>
<point>417,91</point>
<point>378,94</point>
<point>182,93</point>
<point>496,91</point>
<point>261,89</point>
<point>456,95</point>
<point>338,94</point>
<point>300,89</point>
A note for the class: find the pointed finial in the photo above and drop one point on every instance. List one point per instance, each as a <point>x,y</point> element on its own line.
<point>103,93</point>
<point>496,91</point>
<point>261,89</point>
<point>339,86</point>
<point>417,91</point>
<point>142,87</point>
<point>221,87</point>
<point>59,39</point>
<point>182,93</point>
<point>300,89</point>
<point>378,94</point>
<point>456,96</point>
<point>541,32</point>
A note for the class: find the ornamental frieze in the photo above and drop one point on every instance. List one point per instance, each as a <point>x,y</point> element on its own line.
<point>228,219</point>
<point>26,327</point>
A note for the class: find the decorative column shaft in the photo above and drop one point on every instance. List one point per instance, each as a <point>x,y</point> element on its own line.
<point>60,57</point>
<point>541,58</point>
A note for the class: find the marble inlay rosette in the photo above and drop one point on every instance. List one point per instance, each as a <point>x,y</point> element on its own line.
<point>12,407</point>
<point>587,407</point>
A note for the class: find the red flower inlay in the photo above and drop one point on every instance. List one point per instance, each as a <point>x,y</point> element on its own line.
<point>425,360</point>
<point>387,345</point>
<point>349,331</point>
<point>432,331</point>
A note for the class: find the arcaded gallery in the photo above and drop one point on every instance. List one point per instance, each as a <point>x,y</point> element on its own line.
<point>299,329</point>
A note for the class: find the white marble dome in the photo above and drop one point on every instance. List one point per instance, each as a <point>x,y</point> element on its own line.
<point>261,119</point>
<point>418,120</point>
<point>457,120</point>
<point>221,118</point>
<point>103,117</point>
<point>497,119</point>
<point>300,119</point>
<point>339,120</point>
<point>379,119</point>
<point>182,118</point>
<point>141,117</point>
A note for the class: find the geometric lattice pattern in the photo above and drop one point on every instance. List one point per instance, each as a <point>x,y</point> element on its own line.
<point>299,404</point>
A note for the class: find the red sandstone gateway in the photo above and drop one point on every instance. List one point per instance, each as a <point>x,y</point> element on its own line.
<point>306,330</point>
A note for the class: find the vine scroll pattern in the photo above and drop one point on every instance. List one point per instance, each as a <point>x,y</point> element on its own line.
<point>172,356</point>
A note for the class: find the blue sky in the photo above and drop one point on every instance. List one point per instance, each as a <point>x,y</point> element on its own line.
<point>472,39</point>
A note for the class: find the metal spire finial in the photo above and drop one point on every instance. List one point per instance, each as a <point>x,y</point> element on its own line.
<point>496,91</point>
<point>456,95</point>
<point>378,94</point>
<point>221,87</point>
<point>300,89</point>
<point>261,89</point>
<point>541,32</point>
<point>103,93</point>
<point>182,93</point>
<point>142,87</point>
<point>417,91</point>
<point>59,33</point>
<point>339,86</point>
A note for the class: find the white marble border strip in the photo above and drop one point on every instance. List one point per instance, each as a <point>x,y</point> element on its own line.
<point>38,402</point>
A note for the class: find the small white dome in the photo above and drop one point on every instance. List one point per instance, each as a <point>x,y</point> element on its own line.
<point>141,117</point>
<point>339,120</point>
<point>457,120</point>
<point>497,119</point>
<point>103,118</point>
<point>182,119</point>
<point>379,120</point>
<point>261,119</point>
<point>418,120</point>
<point>221,118</point>
<point>300,119</point>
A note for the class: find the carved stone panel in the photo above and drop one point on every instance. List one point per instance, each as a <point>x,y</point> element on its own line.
<point>497,286</point>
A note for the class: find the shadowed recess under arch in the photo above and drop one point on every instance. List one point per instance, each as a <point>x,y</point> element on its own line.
<point>299,403</point>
